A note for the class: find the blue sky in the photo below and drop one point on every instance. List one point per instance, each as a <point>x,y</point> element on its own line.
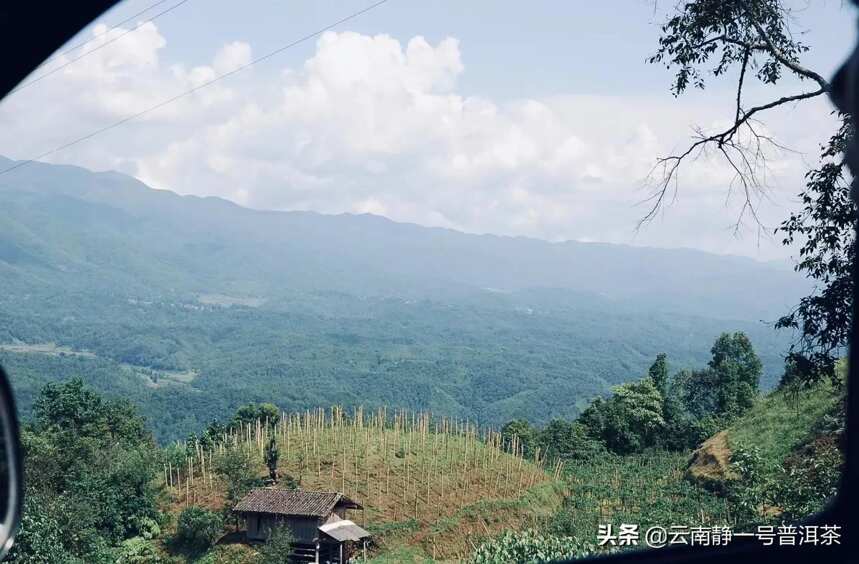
<point>539,119</point>
<point>511,49</point>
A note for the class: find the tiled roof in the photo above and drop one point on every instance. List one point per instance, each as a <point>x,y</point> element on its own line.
<point>292,502</point>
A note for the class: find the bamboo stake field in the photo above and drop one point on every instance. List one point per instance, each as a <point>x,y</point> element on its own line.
<point>399,465</point>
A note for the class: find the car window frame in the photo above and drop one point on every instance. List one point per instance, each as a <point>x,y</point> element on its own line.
<point>31,31</point>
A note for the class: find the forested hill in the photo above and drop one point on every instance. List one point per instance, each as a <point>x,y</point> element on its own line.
<point>192,306</point>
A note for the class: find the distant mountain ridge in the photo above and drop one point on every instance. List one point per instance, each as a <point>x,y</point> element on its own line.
<point>192,306</point>
<point>254,252</point>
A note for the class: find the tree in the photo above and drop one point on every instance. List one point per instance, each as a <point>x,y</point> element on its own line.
<point>695,392</point>
<point>689,409</point>
<point>213,434</point>
<point>40,537</point>
<point>239,469</point>
<point>278,547</point>
<point>197,529</point>
<point>630,420</point>
<point>825,226</point>
<point>90,468</point>
<point>569,441</point>
<point>753,37</point>
<point>658,372</point>
<point>725,389</point>
<point>525,436</point>
<point>738,371</point>
<point>271,456</point>
<point>251,413</point>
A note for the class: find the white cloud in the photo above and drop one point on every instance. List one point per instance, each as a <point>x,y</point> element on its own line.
<point>368,124</point>
<point>232,56</point>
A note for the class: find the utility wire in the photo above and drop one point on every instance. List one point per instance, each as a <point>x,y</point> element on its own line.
<point>102,34</point>
<point>94,49</point>
<point>163,103</point>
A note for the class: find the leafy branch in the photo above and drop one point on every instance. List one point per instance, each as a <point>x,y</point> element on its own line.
<point>753,35</point>
<point>711,37</point>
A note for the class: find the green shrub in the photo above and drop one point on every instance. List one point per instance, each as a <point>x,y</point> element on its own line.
<point>137,550</point>
<point>198,529</point>
<point>148,528</point>
<point>278,547</point>
<point>809,478</point>
<point>239,469</point>
<point>751,491</point>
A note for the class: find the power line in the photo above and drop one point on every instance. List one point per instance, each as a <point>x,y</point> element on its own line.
<point>94,49</point>
<point>195,89</point>
<point>102,34</point>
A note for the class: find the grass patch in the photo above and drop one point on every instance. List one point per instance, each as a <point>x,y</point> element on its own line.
<point>781,421</point>
<point>407,554</point>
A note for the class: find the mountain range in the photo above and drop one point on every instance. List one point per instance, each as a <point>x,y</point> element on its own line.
<point>194,305</point>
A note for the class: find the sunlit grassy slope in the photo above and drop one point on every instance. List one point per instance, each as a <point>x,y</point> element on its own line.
<point>782,420</point>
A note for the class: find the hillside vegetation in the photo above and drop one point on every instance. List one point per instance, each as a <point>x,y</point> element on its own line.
<point>192,307</point>
<point>100,490</point>
<point>785,419</point>
<point>432,487</point>
<point>783,459</point>
<point>778,425</point>
<point>765,459</point>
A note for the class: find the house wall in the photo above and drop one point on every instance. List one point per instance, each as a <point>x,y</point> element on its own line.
<point>304,529</point>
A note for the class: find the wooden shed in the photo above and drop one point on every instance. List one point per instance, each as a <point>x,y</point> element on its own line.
<point>317,520</point>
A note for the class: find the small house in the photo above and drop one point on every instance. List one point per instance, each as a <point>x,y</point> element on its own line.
<point>318,522</point>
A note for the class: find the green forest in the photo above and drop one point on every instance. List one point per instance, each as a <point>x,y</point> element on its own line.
<point>192,307</point>
<point>485,362</point>
<point>96,490</point>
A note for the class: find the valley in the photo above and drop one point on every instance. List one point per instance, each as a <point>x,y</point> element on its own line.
<point>194,306</point>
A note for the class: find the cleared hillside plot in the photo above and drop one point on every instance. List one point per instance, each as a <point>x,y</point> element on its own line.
<point>51,349</point>
<point>435,484</point>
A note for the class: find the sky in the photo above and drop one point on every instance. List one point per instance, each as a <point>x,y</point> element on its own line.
<point>538,119</point>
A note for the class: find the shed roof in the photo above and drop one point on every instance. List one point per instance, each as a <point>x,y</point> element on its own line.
<point>344,530</point>
<point>293,502</point>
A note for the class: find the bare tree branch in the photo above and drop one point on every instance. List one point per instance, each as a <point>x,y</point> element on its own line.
<point>747,175</point>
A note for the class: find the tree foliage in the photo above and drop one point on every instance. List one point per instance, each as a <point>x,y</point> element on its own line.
<point>251,413</point>
<point>754,38</point>
<point>89,467</point>
<point>238,469</point>
<point>825,228</point>
<point>197,529</point>
<point>737,371</point>
<point>629,420</point>
<point>658,373</point>
<point>657,411</point>
<point>569,441</point>
<point>278,547</point>
<point>520,432</point>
